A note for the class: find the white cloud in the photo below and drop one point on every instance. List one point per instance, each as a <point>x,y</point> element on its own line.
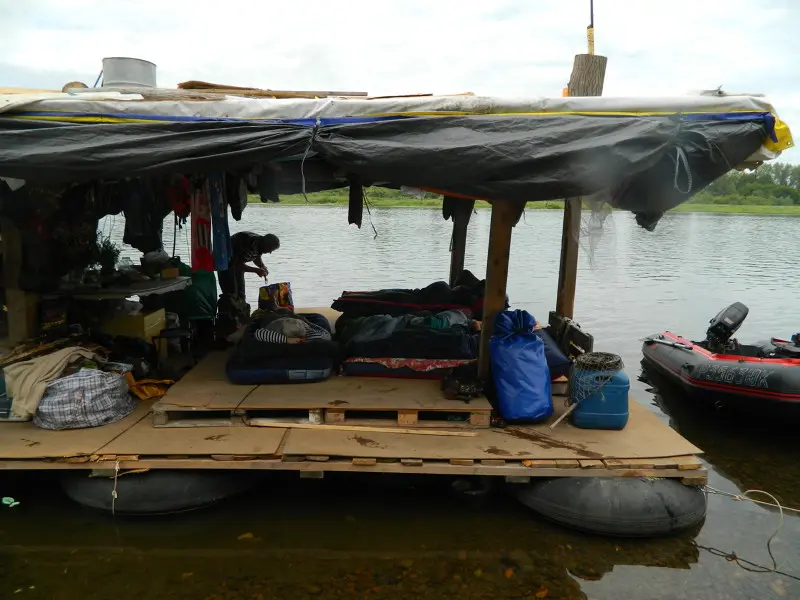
<point>503,47</point>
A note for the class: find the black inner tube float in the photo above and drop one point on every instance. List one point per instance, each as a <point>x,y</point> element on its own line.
<point>616,506</point>
<point>157,491</point>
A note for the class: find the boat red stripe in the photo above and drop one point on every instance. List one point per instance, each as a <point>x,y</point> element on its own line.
<point>731,389</point>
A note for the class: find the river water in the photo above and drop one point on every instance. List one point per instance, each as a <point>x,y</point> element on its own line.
<point>404,537</point>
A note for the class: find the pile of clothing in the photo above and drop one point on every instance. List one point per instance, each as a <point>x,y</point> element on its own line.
<point>466,295</point>
<point>449,334</point>
<point>411,333</point>
<point>71,388</point>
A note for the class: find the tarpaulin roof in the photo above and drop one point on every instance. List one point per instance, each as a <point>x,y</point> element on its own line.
<point>645,155</point>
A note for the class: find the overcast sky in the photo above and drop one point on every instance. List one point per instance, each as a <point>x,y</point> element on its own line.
<point>495,47</point>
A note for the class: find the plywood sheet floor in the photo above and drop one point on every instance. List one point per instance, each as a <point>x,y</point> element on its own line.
<point>206,388</point>
<point>644,437</point>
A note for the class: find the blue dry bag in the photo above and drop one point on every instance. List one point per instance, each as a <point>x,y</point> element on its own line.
<point>519,368</point>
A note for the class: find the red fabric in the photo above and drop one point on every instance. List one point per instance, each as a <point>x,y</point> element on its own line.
<point>202,255</point>
<point>415,364</point>
<point>180,197</point>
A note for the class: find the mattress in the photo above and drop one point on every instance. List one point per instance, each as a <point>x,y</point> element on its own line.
<point>254,362</point>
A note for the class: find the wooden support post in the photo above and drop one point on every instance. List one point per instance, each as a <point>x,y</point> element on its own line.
<point>462,212</point>
<point>21,307</point>
<point>504,217</point>
<point>588,75</point>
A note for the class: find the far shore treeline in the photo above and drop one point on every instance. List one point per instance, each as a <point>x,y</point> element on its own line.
<point>773,188</point>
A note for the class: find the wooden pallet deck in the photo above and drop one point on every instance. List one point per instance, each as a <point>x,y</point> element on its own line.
<point>204,398</point>
<point>645,448</point>
<point>348,424</point>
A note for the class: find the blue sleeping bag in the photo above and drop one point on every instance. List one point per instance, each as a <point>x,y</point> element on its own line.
<point>519,368</point>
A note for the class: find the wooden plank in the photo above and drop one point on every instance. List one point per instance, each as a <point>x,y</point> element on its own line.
<point>318,458</point>
<point>461,212</point>
<point>345,465</point>
<point>353,419</point>
<point>541,464</point>
<point>462,462</point>
<point>21,307</point>
<point>689,463</point>
<point>334,415</point>
<point>293,459</point>
<point>493,462</point>
<point>481,419</point>
<point>699,479</point>
<point>360,393</point>
<point>397,430</point>
<point>365,462</point>
<point>591,464</point>
<point>588,74</point>
<point>568,464</point>
<point>411,462</point>
<point>228,457</point>
<point>407,417</point>
<point>614,463</point>
<point>504,215</point>
<point>639,463</point>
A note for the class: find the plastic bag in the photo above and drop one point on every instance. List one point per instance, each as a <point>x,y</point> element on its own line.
<point>275,295</point>
<point>88,398</point>
<point>519,368</point>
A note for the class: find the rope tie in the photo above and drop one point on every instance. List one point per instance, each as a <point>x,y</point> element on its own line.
<point>732,556</point>
<point>681,160</point>
<point>311,140</point>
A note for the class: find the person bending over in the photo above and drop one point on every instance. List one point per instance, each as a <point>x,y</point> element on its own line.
<point>248,247</point>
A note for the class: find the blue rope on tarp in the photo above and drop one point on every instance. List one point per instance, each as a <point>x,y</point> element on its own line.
<point>767,118</point>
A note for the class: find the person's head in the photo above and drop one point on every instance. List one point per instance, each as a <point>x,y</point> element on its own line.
<point>269,243</point>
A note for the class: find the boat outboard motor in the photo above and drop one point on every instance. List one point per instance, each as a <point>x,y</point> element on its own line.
<point>723,326</point>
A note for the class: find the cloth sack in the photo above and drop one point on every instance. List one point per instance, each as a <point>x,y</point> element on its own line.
<point>519,368</point>
<point>88,398</point>
<point>27,381</point>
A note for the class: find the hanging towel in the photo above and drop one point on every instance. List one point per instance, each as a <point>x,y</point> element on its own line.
<point>202,257</point>
<point>223,249</point>
<point>26,381</point>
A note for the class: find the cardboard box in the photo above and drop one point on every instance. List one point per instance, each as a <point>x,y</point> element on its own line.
<point>169,273</point>
<point>143,325</point>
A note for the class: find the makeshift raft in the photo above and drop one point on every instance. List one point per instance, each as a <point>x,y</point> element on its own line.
<point>185,430</point>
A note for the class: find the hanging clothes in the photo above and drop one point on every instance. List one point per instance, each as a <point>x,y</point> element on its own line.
<point>179,194</point>
<point>144,216</point>
<point>222,247</point>
<point>202,257</point>
<point>236,193</point>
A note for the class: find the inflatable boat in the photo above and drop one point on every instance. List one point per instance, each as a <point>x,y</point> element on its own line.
<point>761,378</point>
